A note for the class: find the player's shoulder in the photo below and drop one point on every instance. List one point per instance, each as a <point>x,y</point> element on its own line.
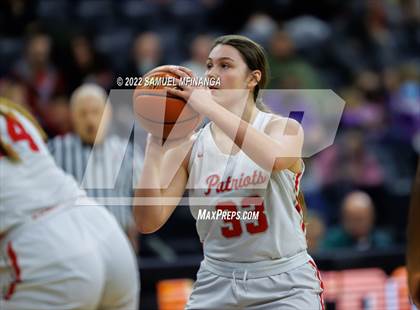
<point>277,118</point>
<point>17,125</point>
<point>279,122</point>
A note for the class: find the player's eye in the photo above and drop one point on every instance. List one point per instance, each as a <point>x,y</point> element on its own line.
<point>225,66</point>
<point>209,65</point>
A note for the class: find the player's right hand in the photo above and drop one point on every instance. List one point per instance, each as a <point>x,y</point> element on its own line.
<point>178,70</point>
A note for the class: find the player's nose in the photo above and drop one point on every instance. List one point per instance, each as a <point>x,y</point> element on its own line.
<point>211,75</point>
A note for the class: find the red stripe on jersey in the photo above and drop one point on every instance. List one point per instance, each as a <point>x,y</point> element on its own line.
<point>15,265</point>
<point>321,284</point>
<point>300,211</point>
<point>298,208</point>
<point>297,180</point>
<point>297,205</point>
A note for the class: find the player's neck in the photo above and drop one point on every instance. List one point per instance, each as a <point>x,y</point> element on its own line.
<point>247,112</point>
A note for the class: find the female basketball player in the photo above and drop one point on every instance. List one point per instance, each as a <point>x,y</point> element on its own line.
<point>56,252</point>
<point>243,159</point>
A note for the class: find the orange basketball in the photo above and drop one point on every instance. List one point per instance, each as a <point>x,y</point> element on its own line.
<point>163,115</point>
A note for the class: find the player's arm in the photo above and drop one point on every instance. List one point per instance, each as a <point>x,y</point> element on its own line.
<point>162,183</point>
<point>278,147</point>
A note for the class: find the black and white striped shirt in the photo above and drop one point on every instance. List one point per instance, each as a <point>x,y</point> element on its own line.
<point>105,171</point>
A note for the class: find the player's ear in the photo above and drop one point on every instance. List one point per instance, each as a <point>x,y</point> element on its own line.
<point>254,78</point>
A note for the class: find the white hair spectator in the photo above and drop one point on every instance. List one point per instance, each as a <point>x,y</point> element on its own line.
<point>88,90</point>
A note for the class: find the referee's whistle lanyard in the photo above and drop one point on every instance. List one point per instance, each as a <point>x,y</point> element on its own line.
<point>235,283</point>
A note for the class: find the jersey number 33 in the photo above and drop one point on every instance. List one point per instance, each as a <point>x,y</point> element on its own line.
<point>235,227</point>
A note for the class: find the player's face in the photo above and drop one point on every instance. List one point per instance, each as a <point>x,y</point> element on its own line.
<point>226,63</point>
<point>87,115</point>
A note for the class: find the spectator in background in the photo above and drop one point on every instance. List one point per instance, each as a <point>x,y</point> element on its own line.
<point>14,91</point>
<point>58,114</point>
<point>93,156</point>
<point>410,22</point>
<point>260,27</point>
<point>360,165</point>
<point>16,16</point>
<point>370,84</point>
<point>288,70</point>
<point>357,228</point>
<point>87,66</point>
<point>349,163</point>
<point>315,231</point>
<point>200,48</point>
<point>147,54</point>
<point>379,45</point>
<point>40,77</point>
<point>405,103</point>
<point>365,105</point>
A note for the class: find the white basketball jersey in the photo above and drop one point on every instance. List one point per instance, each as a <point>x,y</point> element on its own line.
<point>34,182</point>
<point>236,183</point>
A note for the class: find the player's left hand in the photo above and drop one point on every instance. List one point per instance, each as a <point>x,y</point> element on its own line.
<point>199,98</point>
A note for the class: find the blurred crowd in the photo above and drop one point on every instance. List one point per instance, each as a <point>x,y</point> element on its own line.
<point>368,52</point>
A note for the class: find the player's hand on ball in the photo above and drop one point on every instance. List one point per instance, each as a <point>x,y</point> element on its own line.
<point>178,70</point>
<point>199,98</point>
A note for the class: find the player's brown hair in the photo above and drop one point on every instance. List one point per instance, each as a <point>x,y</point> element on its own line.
<point>254,56</point>
<point>6,108</point>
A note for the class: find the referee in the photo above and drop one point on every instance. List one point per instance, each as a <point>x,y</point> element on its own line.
<point>95,158</point>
